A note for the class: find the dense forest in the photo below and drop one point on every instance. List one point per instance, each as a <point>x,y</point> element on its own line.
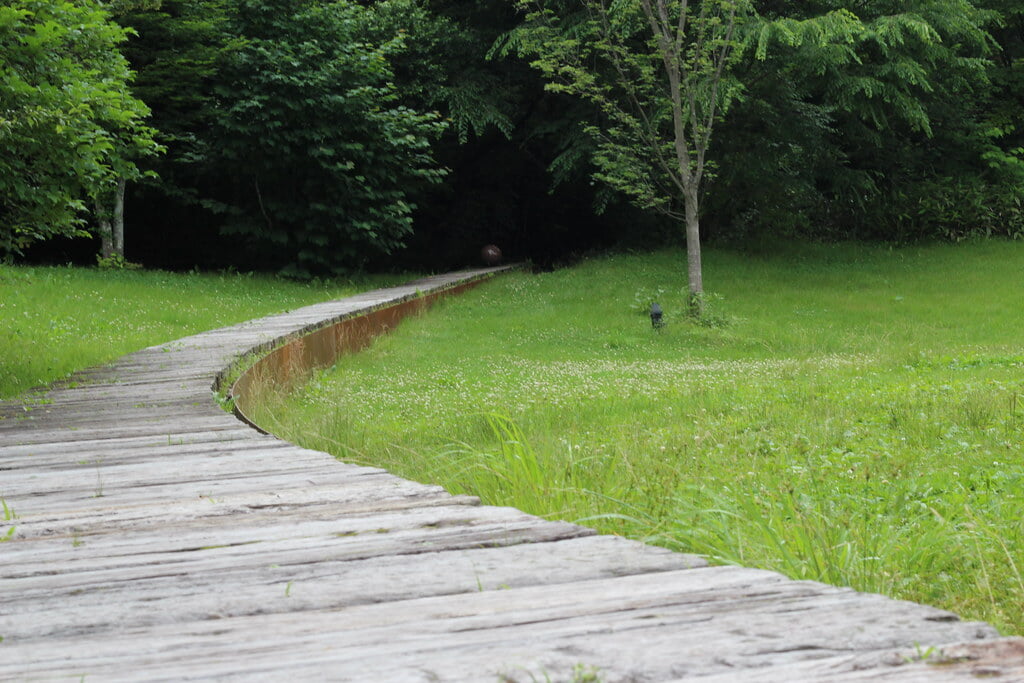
<point>318,137</point>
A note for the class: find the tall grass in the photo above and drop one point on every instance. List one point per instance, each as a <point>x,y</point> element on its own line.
<point>854,417</point>
<point>57,320</point>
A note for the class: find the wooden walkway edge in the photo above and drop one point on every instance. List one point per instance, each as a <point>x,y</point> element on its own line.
<point>157,537</point>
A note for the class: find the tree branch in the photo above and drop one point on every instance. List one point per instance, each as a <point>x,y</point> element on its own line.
<point>259,200</point>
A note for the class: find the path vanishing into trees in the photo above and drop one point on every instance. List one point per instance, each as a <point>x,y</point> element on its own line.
<point>159,537</point>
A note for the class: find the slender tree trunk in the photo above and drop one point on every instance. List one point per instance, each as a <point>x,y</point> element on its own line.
<point>106,233</point>
<point>111,223</point>
<point>689,181</point>
<point>693,264</point>
<point>118,227</point>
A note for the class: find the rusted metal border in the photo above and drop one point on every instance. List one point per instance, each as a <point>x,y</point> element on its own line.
<point>297,357</point>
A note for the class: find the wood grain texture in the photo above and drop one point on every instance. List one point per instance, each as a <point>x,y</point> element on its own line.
<point>158,538</point>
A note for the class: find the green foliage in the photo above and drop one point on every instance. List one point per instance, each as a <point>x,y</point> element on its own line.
<point>957,208</point>
<point>310,128</point>
<point>605,54</point>
<point>608,55</point>
<point>901,122</point>
<point>644,298</point>
<point>180,53</point>
<point>315,153</point>
<point>441,66</point>
<point>175,47</point>
<point>68,125</point>
<point>660,74</point>
<point>885,136</point>
<point>115,262</point>
<point>859,420</point>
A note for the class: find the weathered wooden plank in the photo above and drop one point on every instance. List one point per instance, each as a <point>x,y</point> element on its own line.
<point>107,600</point>
<point>96,493</point>
<point>92,469</point>
<point>114,409</point>
<point>362,497</point>
<point>36,431</point>
<point>403,532</point>
<point>682,623</point>
<point>182,386</point>
<point>348,495</point>
<point>138,448</point>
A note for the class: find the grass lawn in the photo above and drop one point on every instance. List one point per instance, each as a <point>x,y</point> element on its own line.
<point>54,321</point>
<point>856,416</point>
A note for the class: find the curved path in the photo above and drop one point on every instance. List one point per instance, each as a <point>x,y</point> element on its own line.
<point>157,537</point>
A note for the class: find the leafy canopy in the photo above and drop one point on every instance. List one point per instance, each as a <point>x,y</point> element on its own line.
<point>313,152</point>
<point>69,126</point>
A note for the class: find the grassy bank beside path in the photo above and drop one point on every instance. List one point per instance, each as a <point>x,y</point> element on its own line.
<point>55,320</point>
<point>854,414</point>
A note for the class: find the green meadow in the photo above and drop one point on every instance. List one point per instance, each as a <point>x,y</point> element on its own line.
<point>55,320</point>
<point>847,413</point>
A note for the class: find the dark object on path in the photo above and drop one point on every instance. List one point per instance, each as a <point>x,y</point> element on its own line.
<point>656,316</point>
<point>491,255</point>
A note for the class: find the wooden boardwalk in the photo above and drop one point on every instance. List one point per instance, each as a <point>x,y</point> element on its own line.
<point>159,538</point>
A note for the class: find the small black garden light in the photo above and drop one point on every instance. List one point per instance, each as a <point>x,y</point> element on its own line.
<point>656,316</point>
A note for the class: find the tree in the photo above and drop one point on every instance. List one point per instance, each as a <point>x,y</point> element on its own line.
<point>890,137</point>
<point>69,127</point>
<point>298,140</point>
<point>659,73</point>
<point>511,147</point>
<point>503,132</point>
<point>905,119</point>
<point>109,201</point>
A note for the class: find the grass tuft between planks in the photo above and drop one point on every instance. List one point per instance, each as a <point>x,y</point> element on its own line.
<point>854,415</point>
